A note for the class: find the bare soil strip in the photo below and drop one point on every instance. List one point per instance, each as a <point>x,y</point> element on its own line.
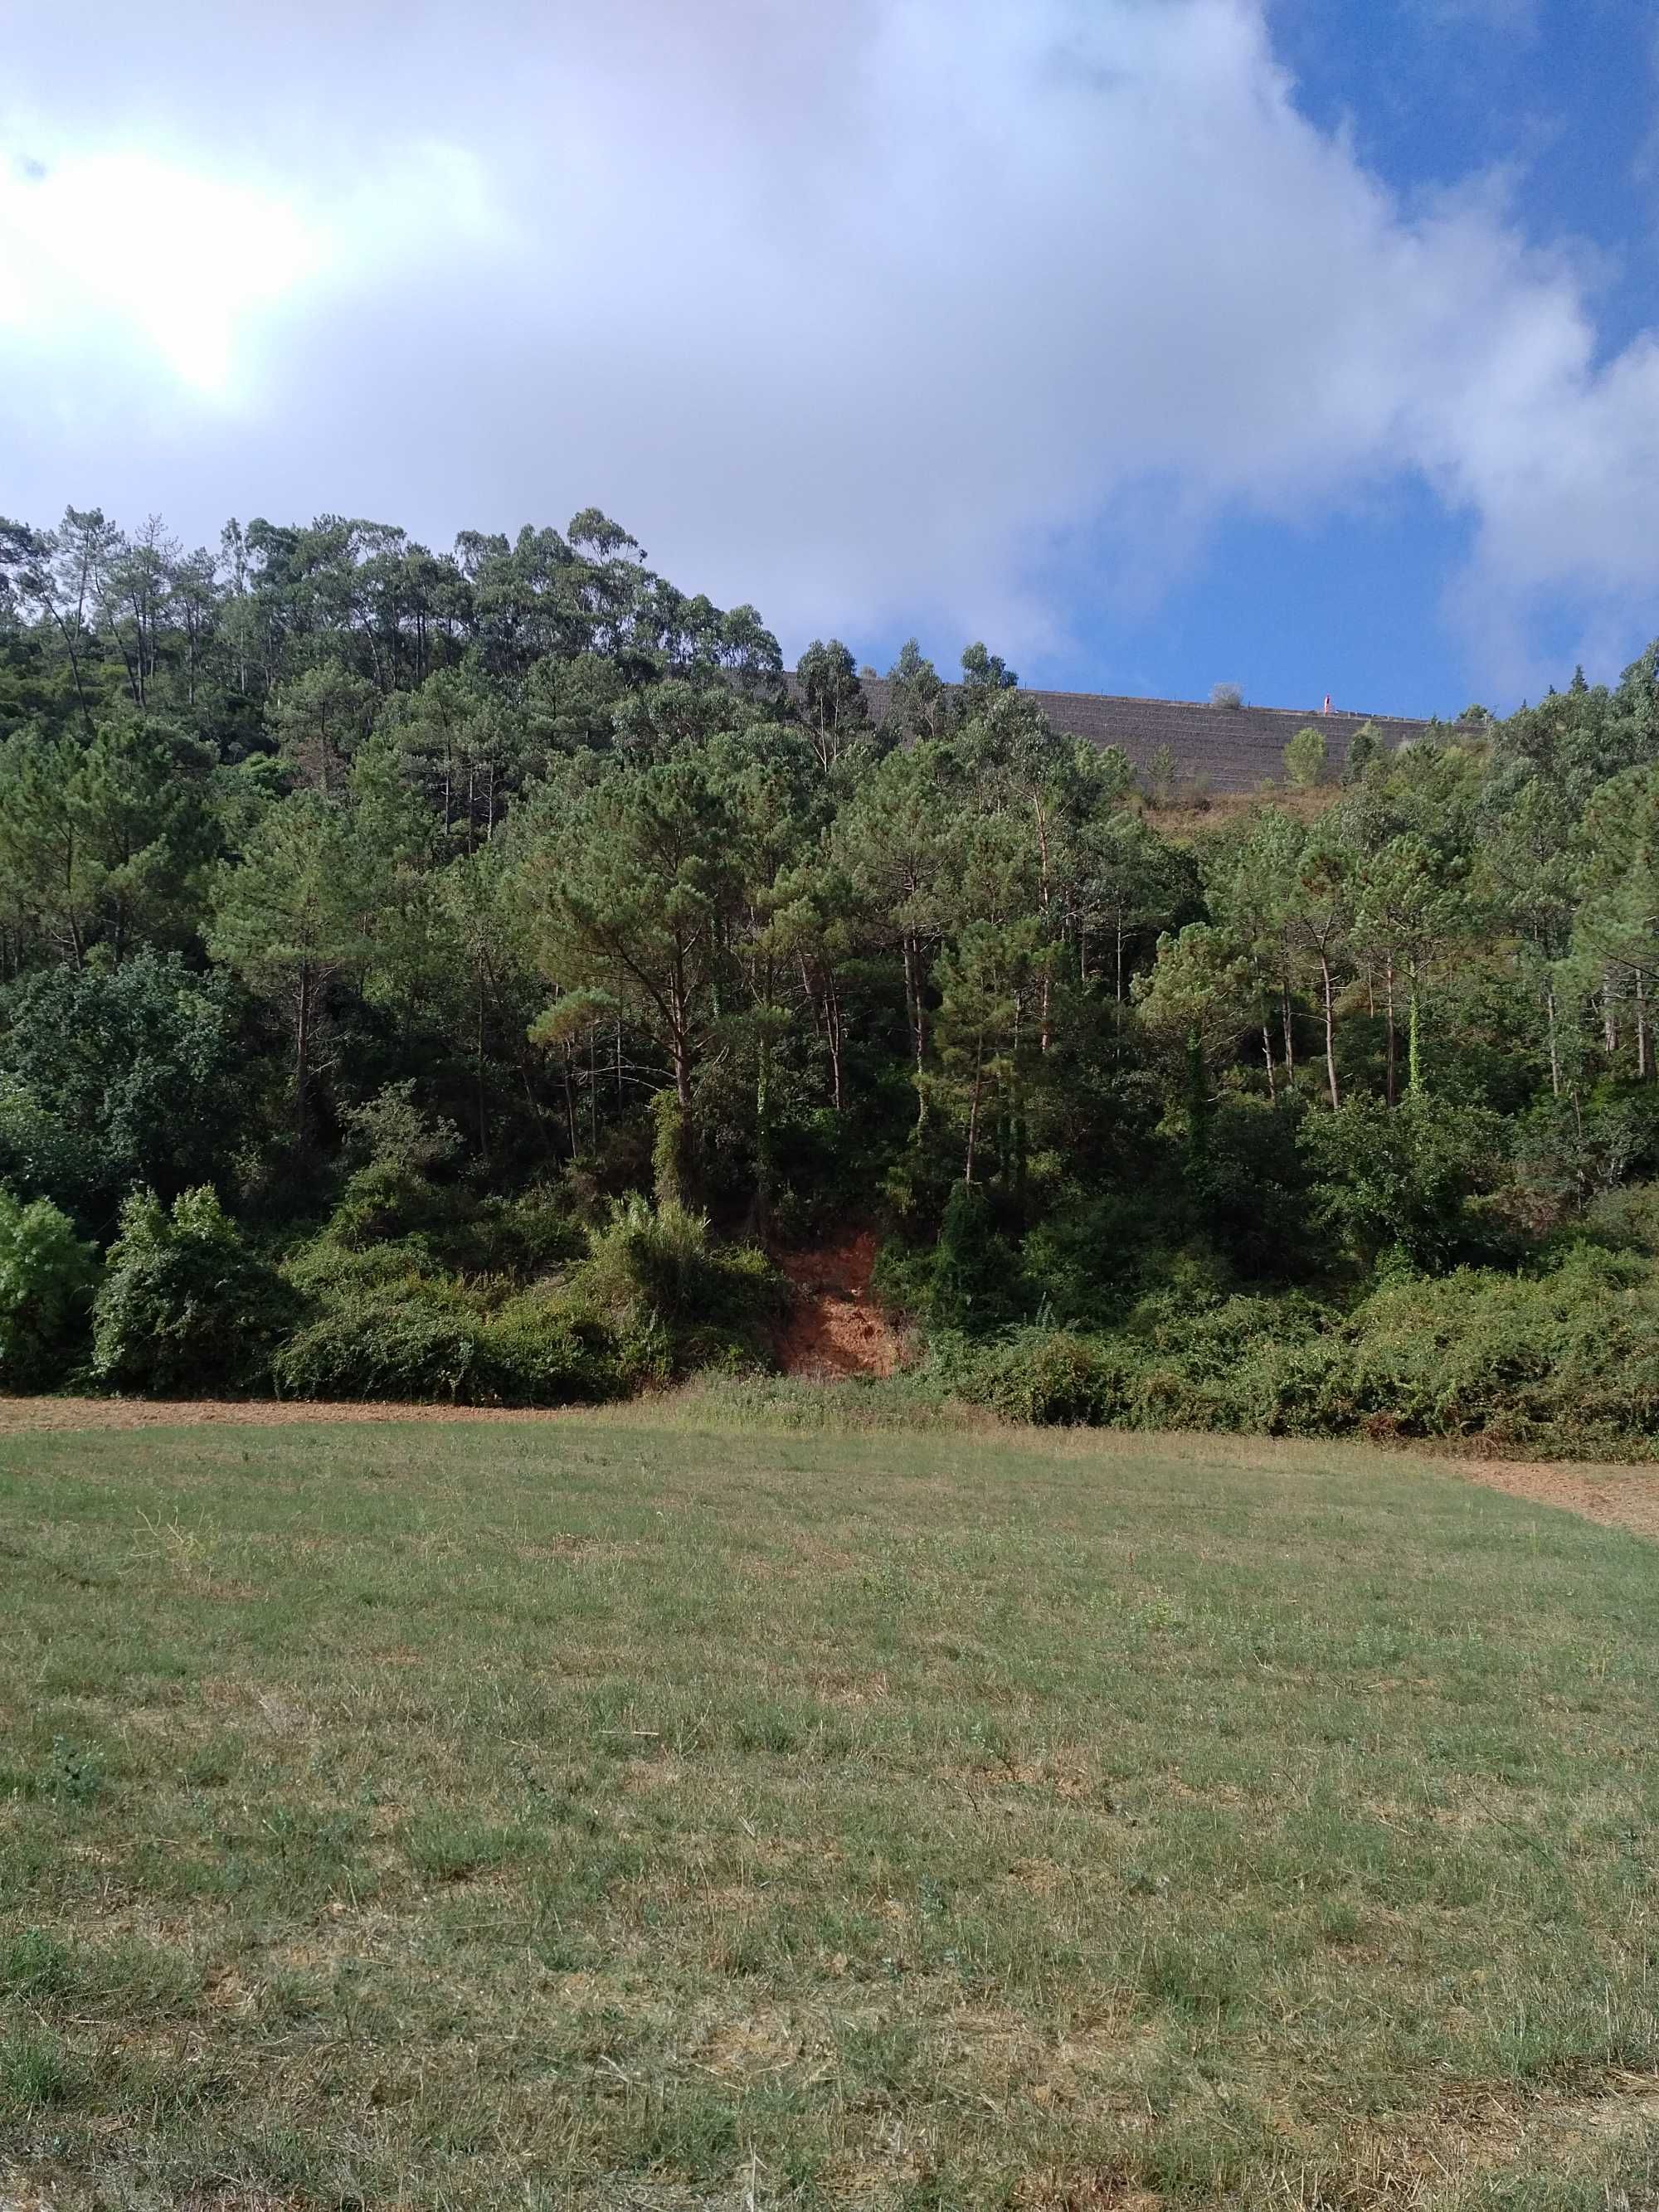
<point>1617,1496</point>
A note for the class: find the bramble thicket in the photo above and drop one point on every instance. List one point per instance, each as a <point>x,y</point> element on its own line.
<point>454,975</point>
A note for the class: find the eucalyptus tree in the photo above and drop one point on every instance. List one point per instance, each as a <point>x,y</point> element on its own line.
<point>833,708</point>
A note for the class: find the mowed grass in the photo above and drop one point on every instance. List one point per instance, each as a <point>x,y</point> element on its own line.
<point>614,1813</point>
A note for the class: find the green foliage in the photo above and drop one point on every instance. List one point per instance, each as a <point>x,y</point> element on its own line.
<point>1306,759</point>
<point>975,1270</point>
<point>46,1278</point>
<point>1052,1376</point>
<point>1565,1362</point>
<point>392,1192</point>
<point>397,1328</point>
<point>112,1077</point>
<point>1365,747</point>
<point>453,900</point>
<point>1560,1362</point>
<point>1249,1189</point>
<point>1410,1182</point>
<point>184,1305</point>
<point>677,1299</point>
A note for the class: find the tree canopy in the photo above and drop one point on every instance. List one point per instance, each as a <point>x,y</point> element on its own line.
<point>561,853</point>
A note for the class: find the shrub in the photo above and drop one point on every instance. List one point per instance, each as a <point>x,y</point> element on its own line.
<point>901,1278</point>
<point>523,1237</point>
<point>47,1276</point>
<point>1415,1180</point>
<point>1050,1376</point>
<point>387,1323</point>
<point>116,1077</point>
<point>1364,747</point>
<point>399,1148</point>
<point>1305,759</point>
<point>538,1350</point>
<point>406,1338</point>
<point>184,1305</point>
<point>676,1300</point>
<point>1562,1362</point>
<point>975,1271</point>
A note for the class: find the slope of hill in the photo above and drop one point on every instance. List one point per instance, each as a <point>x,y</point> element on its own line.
<point>1223,748</point>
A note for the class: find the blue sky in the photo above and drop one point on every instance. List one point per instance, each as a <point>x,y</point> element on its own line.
<point>1305,343</point>
<point>1560,100</point>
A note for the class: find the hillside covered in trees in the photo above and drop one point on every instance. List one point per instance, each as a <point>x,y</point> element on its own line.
<point>458,975</point>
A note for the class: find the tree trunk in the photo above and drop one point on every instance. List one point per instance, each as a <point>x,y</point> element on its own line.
<point>301,1056</point>
<point>973,1113</point>
<point>1641,1027</point>
<point>913,990</point>
<point>832,1030</point>
<point>1414,1042</point>
<point>1330,1032</point>
<point>1555,1050</point>
<point>478,1066</point>
<point>1267,1054</point>
<point>1393,1045</point>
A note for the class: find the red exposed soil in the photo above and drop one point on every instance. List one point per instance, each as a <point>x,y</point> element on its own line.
<point>834,1328</point>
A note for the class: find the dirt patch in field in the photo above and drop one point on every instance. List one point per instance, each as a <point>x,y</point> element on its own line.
<point>833,1327</point>
<point>1617,1496</point>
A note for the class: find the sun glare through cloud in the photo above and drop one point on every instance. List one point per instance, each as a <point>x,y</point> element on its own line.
<point>127,247</point>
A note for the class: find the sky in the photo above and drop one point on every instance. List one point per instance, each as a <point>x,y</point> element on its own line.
<point>1308,344</point>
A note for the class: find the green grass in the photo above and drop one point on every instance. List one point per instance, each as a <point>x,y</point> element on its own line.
<point>614,1813</point>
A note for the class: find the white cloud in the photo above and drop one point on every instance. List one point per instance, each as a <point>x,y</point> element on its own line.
<point>852,312</point>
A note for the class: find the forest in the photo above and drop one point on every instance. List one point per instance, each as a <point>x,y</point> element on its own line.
<point>462,975</point>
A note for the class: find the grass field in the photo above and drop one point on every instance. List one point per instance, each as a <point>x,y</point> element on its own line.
<point>613,1812</point>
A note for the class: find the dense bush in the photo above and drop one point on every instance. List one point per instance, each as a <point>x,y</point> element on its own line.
<point>676,1299</point>
<point>1568,1361</point>
<point>1565,1361</point>
<point>974,1277</point>
<point>401,1153</point>
<point>1053,1376</point>
<point>1417,1180</point>
<point>185,1304</point>
<point>47,1276</point>
<point>404,1191</point>
<point>429,1337</point>
<point>115,1078</point>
